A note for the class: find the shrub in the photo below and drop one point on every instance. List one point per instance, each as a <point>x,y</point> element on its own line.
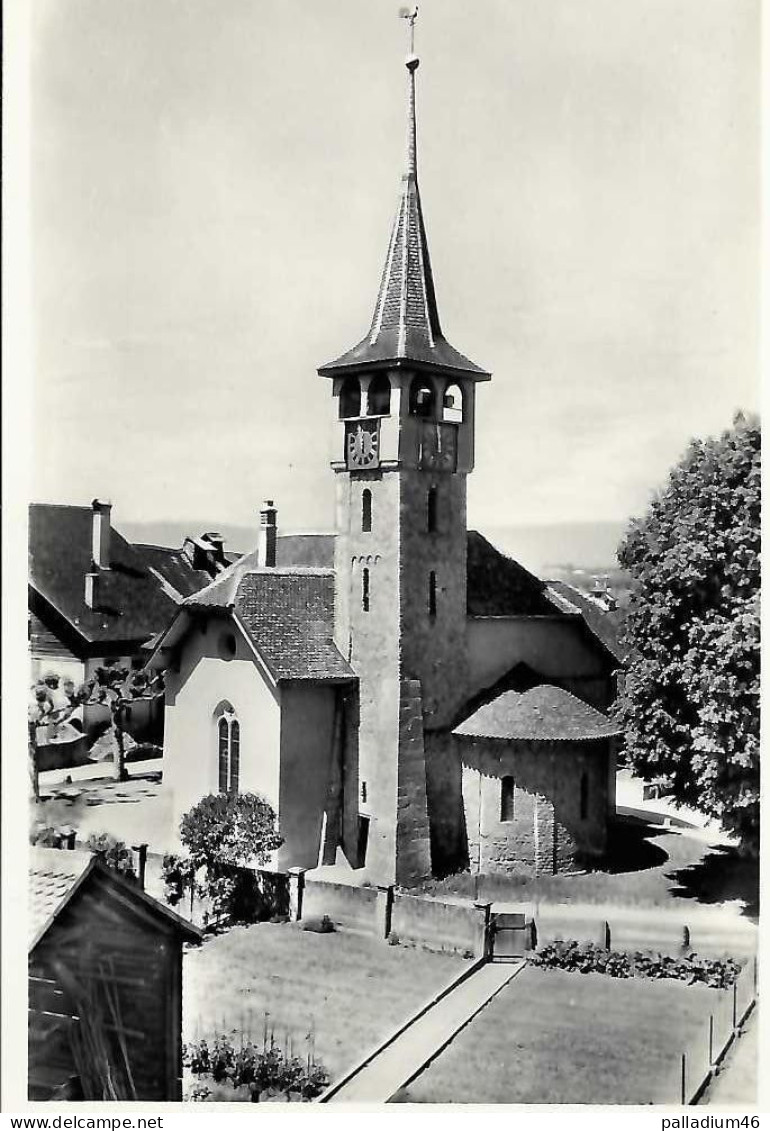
<point>322,926</point>
<point>230,828</point>
<point>178,877</point>
<point>586,958</point>
<point>113,853</point>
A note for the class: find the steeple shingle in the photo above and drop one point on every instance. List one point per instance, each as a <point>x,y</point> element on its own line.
<point>405,326</point>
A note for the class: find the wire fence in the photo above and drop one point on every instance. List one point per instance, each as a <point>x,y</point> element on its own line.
<point>708,1047</point>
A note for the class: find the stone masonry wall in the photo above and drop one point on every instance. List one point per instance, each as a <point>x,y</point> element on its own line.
<point>547,833</point>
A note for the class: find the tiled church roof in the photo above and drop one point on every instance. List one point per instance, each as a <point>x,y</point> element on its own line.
<point>288,613</point>
<point>543,714</point>
<point>405,325</point>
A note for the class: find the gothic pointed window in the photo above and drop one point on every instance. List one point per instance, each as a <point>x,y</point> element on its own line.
<point>366,510</point>
<point>228,748</point>
<point>379,396</point>
<point>350,398</point>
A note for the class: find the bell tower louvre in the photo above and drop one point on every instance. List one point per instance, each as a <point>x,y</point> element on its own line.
<point>406,401</point>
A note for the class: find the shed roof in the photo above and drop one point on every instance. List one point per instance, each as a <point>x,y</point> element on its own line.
<point>56,874</point>
<point>543,714</point>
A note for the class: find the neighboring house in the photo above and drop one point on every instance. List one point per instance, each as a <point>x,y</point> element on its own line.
<point>96,599</point>
<point>105,984</point>
<point>353,679</point>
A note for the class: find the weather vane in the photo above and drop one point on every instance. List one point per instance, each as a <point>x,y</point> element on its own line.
<point>409,14</point>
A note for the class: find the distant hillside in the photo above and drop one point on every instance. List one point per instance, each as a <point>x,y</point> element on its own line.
<point>559,550</point>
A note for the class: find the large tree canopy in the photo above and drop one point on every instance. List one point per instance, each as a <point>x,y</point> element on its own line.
<point>691,698</point>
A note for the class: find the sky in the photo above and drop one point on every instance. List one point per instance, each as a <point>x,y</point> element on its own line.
<point>212,187</point>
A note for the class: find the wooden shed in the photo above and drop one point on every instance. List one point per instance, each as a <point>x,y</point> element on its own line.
<point>105,984</point>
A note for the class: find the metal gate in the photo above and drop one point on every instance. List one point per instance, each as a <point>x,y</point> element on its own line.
<point>510,934</point>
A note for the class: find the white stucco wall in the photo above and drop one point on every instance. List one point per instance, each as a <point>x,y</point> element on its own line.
<point>205,679</point>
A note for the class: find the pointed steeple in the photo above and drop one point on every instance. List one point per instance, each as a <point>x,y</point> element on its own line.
<point>405,326</point>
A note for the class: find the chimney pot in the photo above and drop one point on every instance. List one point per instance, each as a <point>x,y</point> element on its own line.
<point>100,537</point>
<point>92,589</point>
<point>268,532</point>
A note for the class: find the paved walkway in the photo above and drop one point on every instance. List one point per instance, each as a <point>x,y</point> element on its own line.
<point>399,1061</point>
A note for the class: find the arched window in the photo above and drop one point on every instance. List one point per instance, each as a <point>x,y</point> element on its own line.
<point>379,396</point>
<point>422,397</point>
<point>584,797</point>
<point>365,589</point>
<point>432,594</point>
<point>506,799</point>
<point>228,748</point>
<point>350,398</point>
<point>453,404</point>
<point>432,509</point>
<point>366,510</point>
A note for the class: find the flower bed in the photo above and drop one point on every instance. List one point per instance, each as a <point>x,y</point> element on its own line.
<point>229,1072</point>
<point>587,958</point>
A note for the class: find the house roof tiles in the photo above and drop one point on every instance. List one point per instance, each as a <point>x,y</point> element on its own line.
<point>132,602</point>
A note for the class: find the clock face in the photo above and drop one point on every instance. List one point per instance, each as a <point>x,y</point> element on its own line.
<point>363,446</point>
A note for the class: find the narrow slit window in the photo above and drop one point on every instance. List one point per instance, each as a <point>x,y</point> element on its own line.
<point>366,510</point>
<point>432,593</point>
<point>584,797</point>
<point>365,589</point>
<point>433,510</point>
<point>506,799</point>
<point>363,793</point>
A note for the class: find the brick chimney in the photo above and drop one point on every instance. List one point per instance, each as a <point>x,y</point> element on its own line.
<point>268,531</point>
<point>92,589</point>
<point>100,534</point>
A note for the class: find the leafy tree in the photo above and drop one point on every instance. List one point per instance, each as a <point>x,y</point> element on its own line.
<point>230,828</point>
<point>690,703</point>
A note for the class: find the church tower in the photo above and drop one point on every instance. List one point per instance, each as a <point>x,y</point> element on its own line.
<point>405,405</point>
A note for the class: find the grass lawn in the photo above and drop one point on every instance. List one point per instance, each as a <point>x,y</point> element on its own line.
<point>649,866</point>
<point>351,991</point>
<point>557,1037</point>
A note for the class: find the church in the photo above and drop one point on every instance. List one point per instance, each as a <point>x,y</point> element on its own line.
<point>411,701</point>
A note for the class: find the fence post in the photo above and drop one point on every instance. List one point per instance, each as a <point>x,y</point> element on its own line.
<point>384,910</point>
<point>141,863</point>
<point>483,943</point>
<point>296,893</point>
<point>684,1078</point>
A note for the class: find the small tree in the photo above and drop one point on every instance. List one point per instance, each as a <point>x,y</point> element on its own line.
<point>223,833</point>
<point>691,699</point>
<point>230,828</point>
